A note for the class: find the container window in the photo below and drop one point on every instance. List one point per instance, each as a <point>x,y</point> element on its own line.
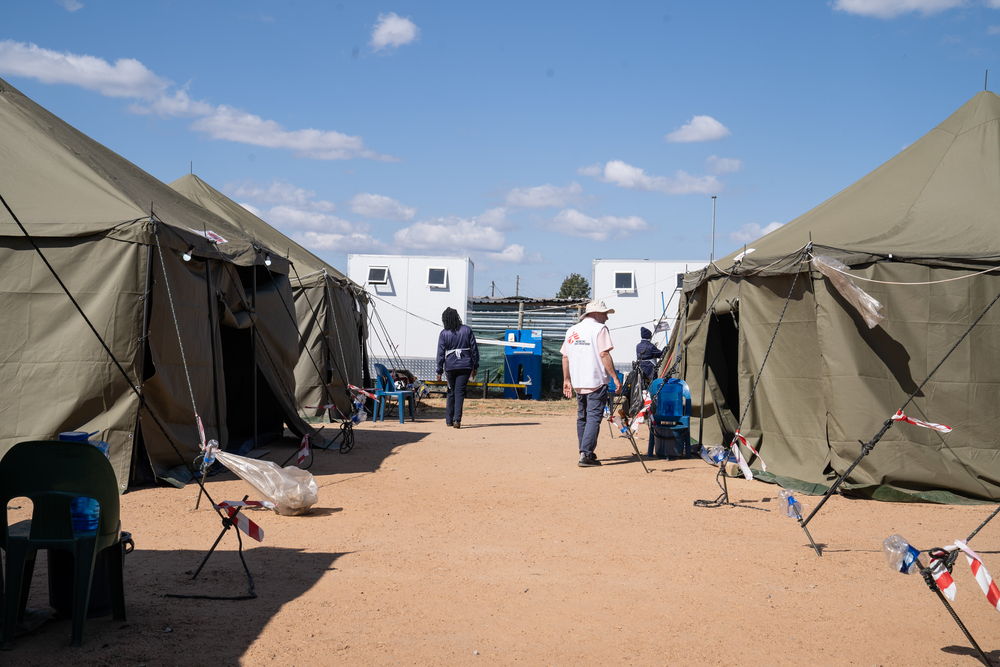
<point>437,277</point>
<point>378,275</point>
<point>624,281</point>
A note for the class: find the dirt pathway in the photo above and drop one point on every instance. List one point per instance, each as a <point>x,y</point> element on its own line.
<point>489,545</point>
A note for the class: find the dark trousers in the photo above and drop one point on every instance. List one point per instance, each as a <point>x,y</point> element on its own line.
<point>589,415</point>
<point>457,381</point>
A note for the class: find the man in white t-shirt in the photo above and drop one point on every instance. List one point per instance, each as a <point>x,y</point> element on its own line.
<point>587,365</point>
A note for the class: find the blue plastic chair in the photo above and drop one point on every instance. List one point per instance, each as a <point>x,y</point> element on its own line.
<point>386,388</point>
<point>671,409</point>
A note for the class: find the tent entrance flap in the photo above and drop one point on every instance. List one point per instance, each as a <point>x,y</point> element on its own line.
<point>239,370</point>
<point>722,358</point>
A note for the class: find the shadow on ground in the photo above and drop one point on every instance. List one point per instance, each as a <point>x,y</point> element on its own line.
<point>167,630</point>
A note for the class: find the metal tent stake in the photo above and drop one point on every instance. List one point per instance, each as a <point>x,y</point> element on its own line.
<point>929,580</point>
<point>866,448</point>
<point>723,498</point>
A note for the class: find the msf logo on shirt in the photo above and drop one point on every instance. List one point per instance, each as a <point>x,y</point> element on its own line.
<point>574,339</point>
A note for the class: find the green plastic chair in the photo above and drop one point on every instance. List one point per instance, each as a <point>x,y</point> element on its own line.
<point>51,473</point>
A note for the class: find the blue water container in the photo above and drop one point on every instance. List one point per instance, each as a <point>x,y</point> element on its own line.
<point>85,512</point>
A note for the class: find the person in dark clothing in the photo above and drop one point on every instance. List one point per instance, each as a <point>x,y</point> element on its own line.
<point>458,356</point>
<point>647,354</point>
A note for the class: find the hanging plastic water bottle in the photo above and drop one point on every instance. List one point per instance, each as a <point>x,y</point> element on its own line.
<point>713,455</point>
<point>210,450</point>
<point>790,505</point>
<point>359,415</point>
<point>84,512</point>
<point>900,555</point>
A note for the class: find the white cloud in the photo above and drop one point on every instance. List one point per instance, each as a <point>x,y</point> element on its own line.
<point>253,209</point>
<point>278,192</point>
<point>298,213</point>
<point>381,207</point>
<point>625,175</point>
<point>350,242</point>
<point>699,128</point>
<point>574,223</point>
<point>543,196</point>
<point>127,77</point>
<point>450,234</point>
<point>70,5</point>
<point>515,254</point>
<point>290,218</point>
<point>175,104</point>
<point>392,31</point>
<point>495,218</point>
<point>752,231</point>
<point>723,165</point>
<point>243,127</point>
<point>887,9</point>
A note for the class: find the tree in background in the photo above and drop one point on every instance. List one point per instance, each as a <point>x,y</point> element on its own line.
<point>574,286</point>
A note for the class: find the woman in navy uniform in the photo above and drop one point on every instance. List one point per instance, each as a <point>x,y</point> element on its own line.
<point>458,357</point>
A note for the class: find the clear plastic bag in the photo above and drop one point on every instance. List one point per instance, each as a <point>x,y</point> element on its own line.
<point>867,306</point>
<point>291,489</point>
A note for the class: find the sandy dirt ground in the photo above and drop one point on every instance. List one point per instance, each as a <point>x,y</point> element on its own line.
<point>488,545</point>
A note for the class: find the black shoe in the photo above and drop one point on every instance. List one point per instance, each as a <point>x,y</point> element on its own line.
<point>588,460</point>
<point>457,424</point>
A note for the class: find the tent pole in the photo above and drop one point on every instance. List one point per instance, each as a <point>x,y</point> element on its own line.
<point>215,370</point>
<point>253,342</point>
<point>146,305</point>
<point>701,405</point>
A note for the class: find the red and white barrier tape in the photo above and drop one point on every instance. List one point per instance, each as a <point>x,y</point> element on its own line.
<point>738,440</point>
<point>900,417</point>
<point>201,431</point>
<point>242,521</point>
<point>303,452</point>
<point>361,391</point>
<point>942,577</point>
<point>983,578</point>
<point>640,416</point>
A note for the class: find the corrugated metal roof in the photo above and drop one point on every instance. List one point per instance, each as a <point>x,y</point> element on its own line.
<point>491,317</point>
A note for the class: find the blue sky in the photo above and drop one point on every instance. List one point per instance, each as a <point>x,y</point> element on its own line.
<point>530,136</point>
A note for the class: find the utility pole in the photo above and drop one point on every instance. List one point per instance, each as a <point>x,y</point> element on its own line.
<point>517,287</point>
<point>493,289</point>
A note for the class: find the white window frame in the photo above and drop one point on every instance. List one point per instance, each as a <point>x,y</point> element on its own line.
<point>440,285</point>
<point>385,279</point>
<point>631,275</point>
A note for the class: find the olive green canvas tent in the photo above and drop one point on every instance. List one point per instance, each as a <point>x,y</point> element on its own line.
<point>329,309</point>
<point>920,235</point>
<point>164,283</point>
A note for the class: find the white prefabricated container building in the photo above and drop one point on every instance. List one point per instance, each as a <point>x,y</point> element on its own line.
<point>639,290</point>
<point>409,293</point>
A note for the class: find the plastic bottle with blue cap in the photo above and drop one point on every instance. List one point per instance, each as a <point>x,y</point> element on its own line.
<point>900,554</point>
<point>85,512</point>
